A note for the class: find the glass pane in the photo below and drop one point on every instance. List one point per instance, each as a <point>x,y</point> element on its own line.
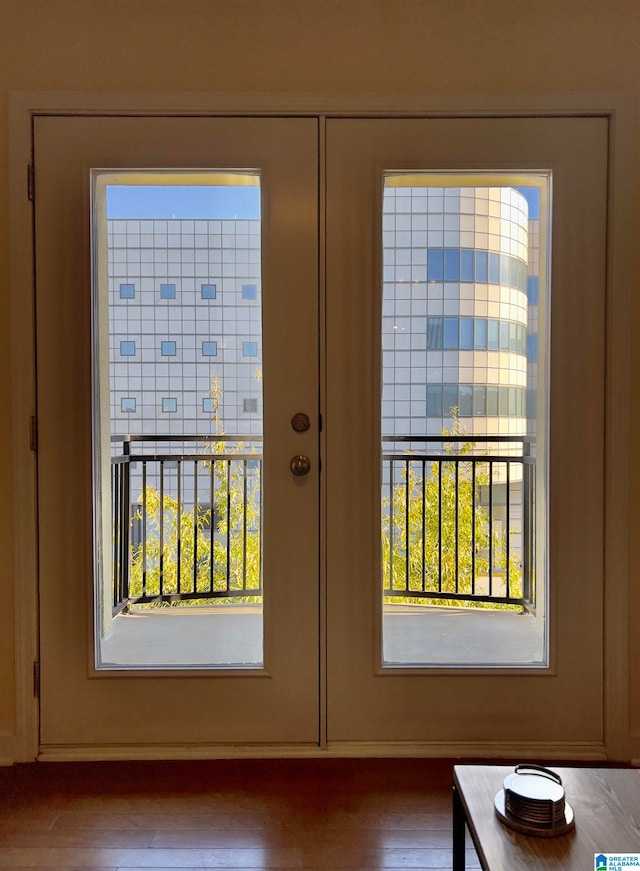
<point>462,472</point>
<point>178,422</point>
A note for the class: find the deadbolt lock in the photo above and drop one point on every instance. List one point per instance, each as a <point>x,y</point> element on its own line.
<point>300,422</point>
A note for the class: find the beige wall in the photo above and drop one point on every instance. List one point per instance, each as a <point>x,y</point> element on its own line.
<point>431,47</point>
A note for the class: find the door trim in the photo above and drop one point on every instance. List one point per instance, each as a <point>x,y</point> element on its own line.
<point>577,751</point>
<point>618,108</point>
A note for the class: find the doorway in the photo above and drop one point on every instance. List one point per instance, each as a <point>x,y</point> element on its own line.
<point>372,695</point>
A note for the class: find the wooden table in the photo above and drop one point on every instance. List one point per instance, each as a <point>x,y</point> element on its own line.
<point>606,802</point>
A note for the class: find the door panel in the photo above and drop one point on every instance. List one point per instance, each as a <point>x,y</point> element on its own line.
<point>274,703</point>
<point>557,702</point>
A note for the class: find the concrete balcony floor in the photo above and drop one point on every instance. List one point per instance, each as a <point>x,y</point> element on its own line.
<point>231,636</point>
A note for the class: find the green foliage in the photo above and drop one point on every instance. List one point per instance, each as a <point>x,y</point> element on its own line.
<point>430,527</point>
<point>195,548</point>
<point>187,551</point>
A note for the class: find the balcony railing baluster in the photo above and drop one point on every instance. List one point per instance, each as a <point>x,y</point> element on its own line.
<point>472,499</point>
<point>171,559</point>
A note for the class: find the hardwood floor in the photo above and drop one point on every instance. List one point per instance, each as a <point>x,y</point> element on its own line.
<point>319,814</point>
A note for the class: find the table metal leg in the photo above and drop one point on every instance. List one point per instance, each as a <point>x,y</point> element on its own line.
<point>458,832</point>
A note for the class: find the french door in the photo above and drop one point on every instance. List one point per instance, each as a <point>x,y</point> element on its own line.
<point>323,652</point>
<point>91,692</point>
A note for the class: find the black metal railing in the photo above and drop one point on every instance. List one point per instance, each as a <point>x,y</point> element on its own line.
<point>457,519</point>
<point>186,524</point>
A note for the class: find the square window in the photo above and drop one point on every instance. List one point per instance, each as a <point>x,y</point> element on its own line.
<point>169,404</point>
<point>250,406</point>
<point>167,291</point>
<point>208,291</point>
<point>207,405</point>
<point>127,404</point>
<point>209,349</point>
<point>127,291</point>
<point>249,349</point>
<point>127,349</point>
<point>249,291</point>
<point>168,349</point>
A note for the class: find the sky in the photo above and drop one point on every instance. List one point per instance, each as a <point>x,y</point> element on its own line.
<point>195,201</point>
<point>210,202</point>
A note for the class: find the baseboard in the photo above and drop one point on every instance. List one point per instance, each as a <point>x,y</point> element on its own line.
<point>8,747</point>
<point>570,751</point>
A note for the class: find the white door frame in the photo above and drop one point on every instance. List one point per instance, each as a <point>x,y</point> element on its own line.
<point>617,108</point>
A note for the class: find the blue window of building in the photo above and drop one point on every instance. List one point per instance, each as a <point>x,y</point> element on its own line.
<point>466,334</point>
<point>249,291</point>
<point>533,285</point>
<point>167,291</point>
<point>127,291</point>
<point>449,398</point>
<point>493,336</point>
<point>168,349</point>
<point>514,272</point>
<point>207,405</point>
<point>250,406</point>
<point>532,348</point>
<point>435,264</point>
<point>505,272</point>
<point>127,404</point>
<point>480,334</point>
<point>466,264</point>
<point>503,401</point>
<point>513,338</point>
<point>169,404</point>
<point>504,336</point>
<point>208,291</point>
<point>209,349</point>
<point>434,400</point>
<point>492,401</point>
<point>466,400</point>
<point>249,349</point>
<point>482,260</point>
<point>451,264</point>
<point>494,269</point>
<point>480,401</point>
<point>450,333</point>
<point>512,402</point>
<point>127,349</point>
<point>434,334</point>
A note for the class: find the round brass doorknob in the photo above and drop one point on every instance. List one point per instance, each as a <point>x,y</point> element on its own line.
<point>300,465</point>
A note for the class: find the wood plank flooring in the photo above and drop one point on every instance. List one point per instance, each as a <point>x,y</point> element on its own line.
<point>320,814</point>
